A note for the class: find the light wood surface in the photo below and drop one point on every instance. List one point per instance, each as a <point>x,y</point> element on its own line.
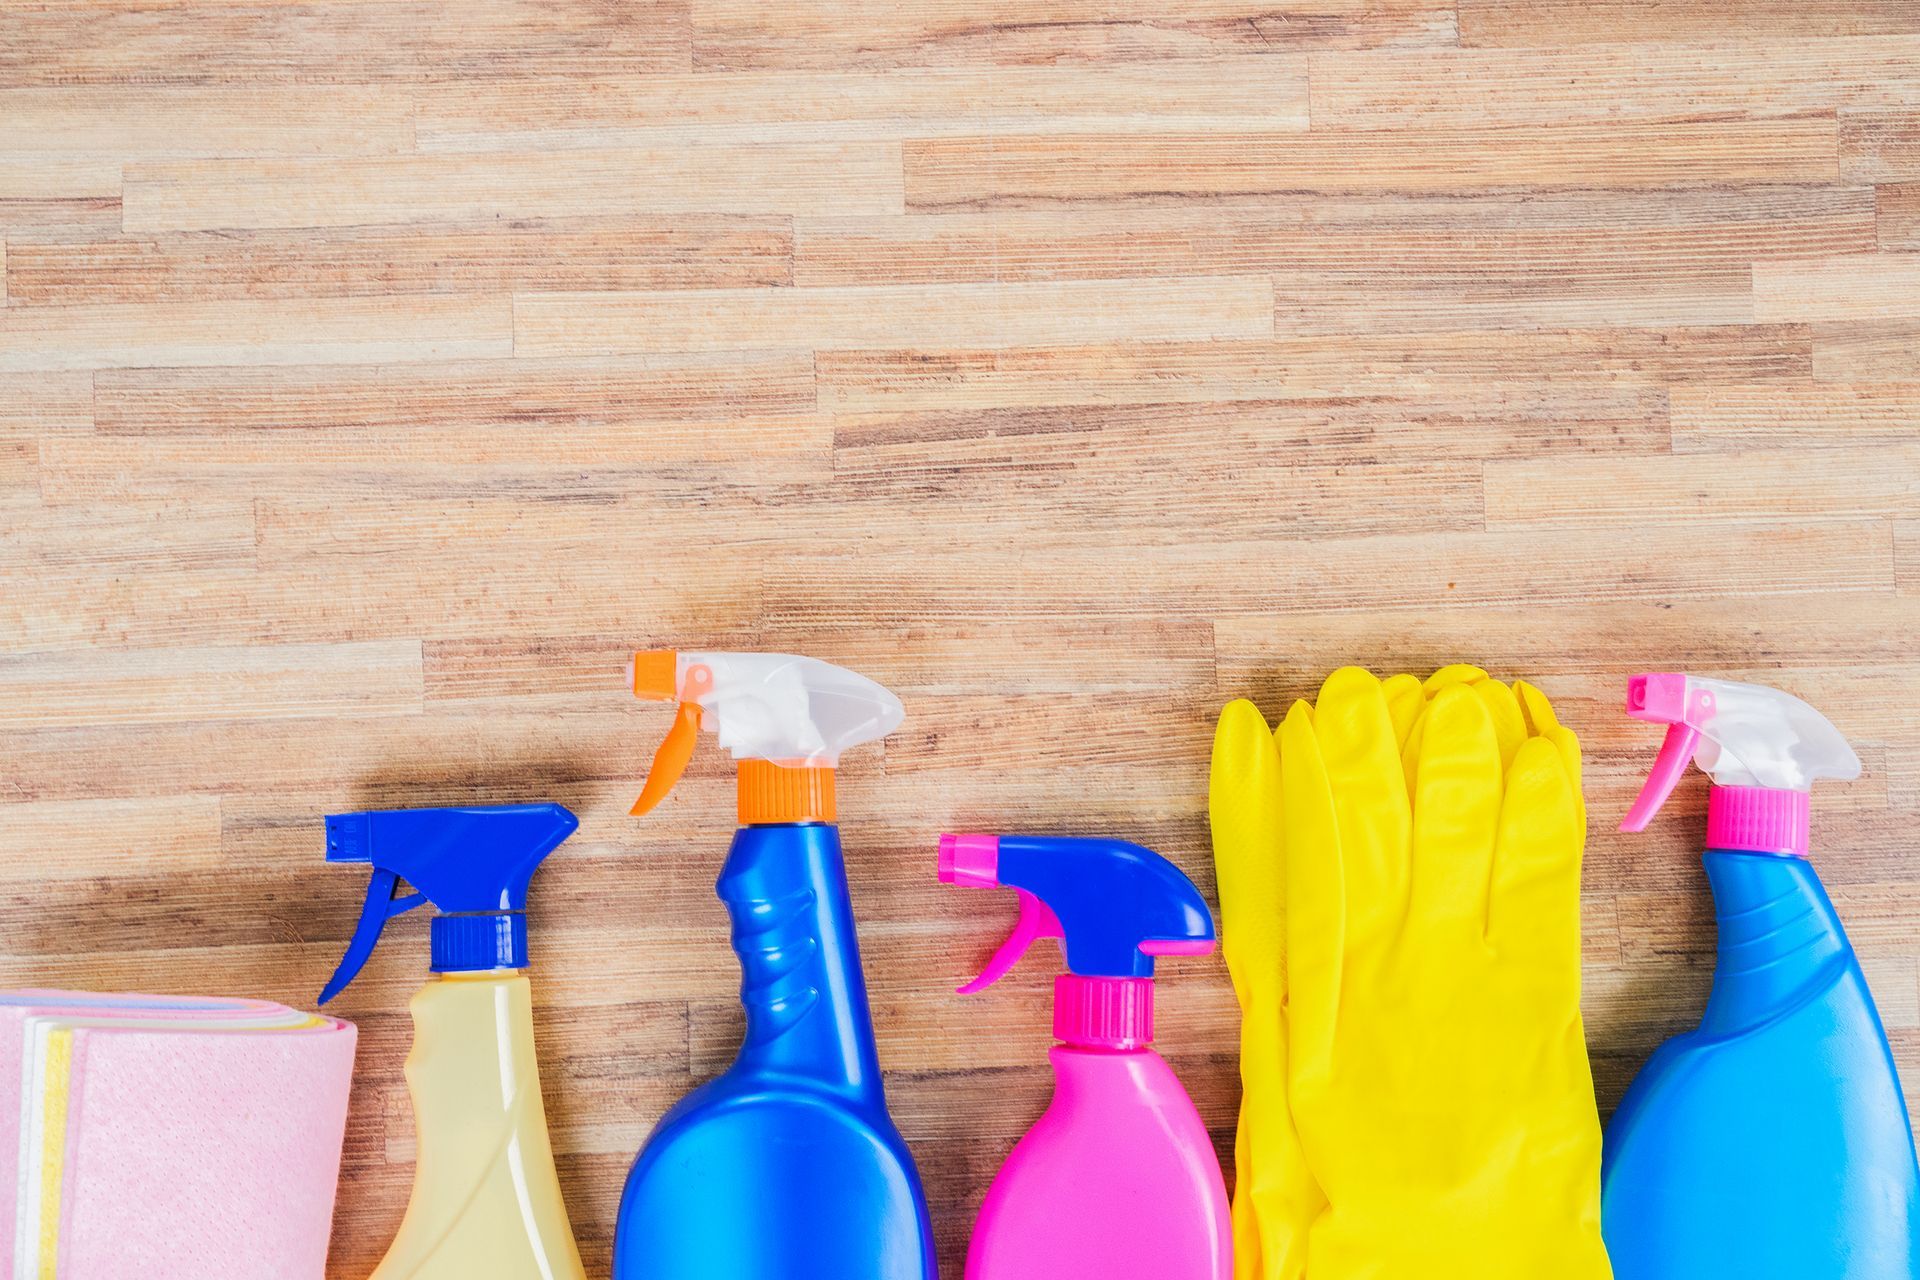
<point>374,374</point>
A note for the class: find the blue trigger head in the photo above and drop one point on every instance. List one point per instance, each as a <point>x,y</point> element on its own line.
<point>1114,905</point>
<point>474,864</point>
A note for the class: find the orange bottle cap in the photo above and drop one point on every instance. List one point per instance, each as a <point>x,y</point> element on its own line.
<point>772,792</point>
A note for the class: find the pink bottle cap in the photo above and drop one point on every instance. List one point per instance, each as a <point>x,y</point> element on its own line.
<point>1758,820</point>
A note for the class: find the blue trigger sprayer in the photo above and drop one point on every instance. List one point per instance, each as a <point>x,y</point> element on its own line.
<point>486,1202</point>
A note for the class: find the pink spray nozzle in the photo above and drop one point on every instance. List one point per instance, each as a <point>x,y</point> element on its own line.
<point>970,860</point>
<point>1658,698</point>
<point>974,861</point>
<point>1663,698</point>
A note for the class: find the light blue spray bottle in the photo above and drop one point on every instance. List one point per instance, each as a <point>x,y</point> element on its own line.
<point>1773,1143</point>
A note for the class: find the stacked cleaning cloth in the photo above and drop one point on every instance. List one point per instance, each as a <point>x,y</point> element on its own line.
<point>168,1137</point>
<point>1399,868</point>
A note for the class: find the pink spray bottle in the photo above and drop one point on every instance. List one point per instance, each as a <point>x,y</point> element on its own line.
<point>1118,1180</point>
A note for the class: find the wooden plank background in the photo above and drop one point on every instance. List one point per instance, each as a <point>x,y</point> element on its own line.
<point>374,374</point>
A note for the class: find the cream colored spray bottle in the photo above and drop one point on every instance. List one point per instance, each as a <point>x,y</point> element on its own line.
<point>486,1202</point>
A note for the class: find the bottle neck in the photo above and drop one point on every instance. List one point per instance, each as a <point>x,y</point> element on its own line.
<point>1779,937</point>
<point>476,976</point>
<point>1103,1014</point>
<point>479,941</point>
<point>785,887</point>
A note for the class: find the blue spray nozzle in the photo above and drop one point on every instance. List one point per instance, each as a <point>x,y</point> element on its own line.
<point>1115,906</point>
<point>473,864</point>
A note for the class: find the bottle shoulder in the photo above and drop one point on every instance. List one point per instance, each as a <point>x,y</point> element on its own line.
<point>779,1179</point>
<point>1785,1150</point>
<point>742,1120</point>
<point>1117,1120</point>
<point>1819,1072</point>
<point>1120,1134</point>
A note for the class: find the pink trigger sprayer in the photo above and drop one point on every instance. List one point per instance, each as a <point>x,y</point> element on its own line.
<point>1119,1179</point>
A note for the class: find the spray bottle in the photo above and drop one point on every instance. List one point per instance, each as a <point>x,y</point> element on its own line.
<point>1773,1142</point>
<point>1118,1180</point>
<point>486,1202</point>
<point>787,1166</point>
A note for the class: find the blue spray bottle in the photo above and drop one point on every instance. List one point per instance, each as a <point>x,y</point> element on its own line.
<point>787,1166</point>
<point>1773,1143</point>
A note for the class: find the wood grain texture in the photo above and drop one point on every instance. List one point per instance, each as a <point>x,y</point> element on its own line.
<point>224,194</point>
<point>1880,146</point>
<point>637,252</point>
<point>878,34</point>
<point>1900,216</point>
<point>1565,22</point>
<point>1037,171</point>
<point>1229,93</point>
<point>376,374</point>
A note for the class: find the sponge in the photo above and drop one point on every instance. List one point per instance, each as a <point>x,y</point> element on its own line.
<point>168,1137</point>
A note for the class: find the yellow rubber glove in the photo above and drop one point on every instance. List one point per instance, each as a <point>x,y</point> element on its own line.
<point>1437,1075</point>
<point>1275,1198</point>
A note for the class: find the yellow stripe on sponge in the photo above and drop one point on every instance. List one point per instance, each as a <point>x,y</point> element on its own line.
<point>53,1148</point>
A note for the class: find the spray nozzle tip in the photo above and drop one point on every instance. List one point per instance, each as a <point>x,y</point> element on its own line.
<point>972,860</point>
<point>350,837</point>
<point>1661,697</point>
<point>654,674</point>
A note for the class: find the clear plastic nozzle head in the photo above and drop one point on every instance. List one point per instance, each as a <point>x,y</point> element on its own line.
<point>790,710</point>
<point>1741,735</point>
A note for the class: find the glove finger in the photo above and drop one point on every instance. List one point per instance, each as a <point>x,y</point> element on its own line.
<point>1280,1194</point>
<point>1546,724</point>
<point>1541,719</point>
<point>1360,750</point>
<point>1456,814</point>
<point>1275,1197</point>
<point>1534,911</point>
<point>1405,701</point>
<point>1290,1198</point>
<point>1448,676</point>
<point>1410,749</point>
<point>1243,808</point>
<point>1316,901</point>
<point>1509,723</point>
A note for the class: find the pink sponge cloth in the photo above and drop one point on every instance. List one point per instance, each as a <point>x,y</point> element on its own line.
<point>170,1138</point>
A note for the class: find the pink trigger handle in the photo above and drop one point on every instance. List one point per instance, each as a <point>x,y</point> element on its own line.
<point>1036,921</point>
<point>1675,753</point>
<point>1664,698</point>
